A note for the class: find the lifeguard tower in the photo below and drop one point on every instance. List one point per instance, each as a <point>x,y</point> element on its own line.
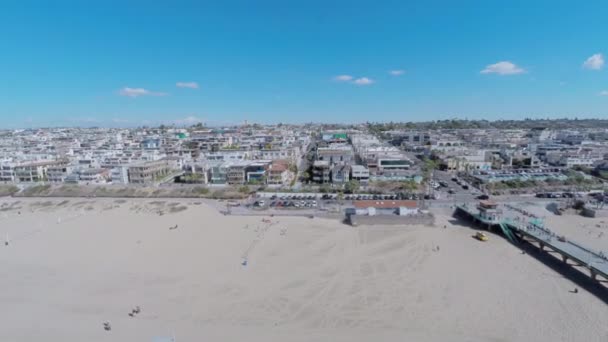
<point>489,213</point>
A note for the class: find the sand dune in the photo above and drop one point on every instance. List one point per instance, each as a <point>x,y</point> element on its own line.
<point>71,266</point>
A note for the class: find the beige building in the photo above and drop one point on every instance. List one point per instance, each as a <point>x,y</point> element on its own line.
<point>148,172</point>
<point>279,173</point>
<point>58,173</point>
<point>36,171</point>
<point>236,173</point>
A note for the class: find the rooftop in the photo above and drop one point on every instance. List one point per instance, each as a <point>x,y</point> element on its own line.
<point>385,204</point>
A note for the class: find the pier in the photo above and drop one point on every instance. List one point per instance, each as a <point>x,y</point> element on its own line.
<point>489,216</point>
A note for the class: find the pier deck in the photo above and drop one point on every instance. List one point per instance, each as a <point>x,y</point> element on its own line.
<point>596,262</point>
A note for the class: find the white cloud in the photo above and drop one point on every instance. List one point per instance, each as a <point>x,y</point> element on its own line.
<point>191,85</point>
<point>343,78</point>
<point>136,92</point>
<point>604,93</point>
<point>595,62</point>
<point>396,72</point>
<point>189,120</point>
<point>363,81</point>
<point>503,68</point>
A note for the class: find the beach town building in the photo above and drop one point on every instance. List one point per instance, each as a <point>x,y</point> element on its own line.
<point>465,160</point>
<point>94,175</point>
<point>386,207</point>
<point>359,173</point>
<point>236,172</point>
<point>335,153</point>
<point>569,159</point>
<point>321,172</point>
<point>479,177</point>
<point>149,171</point>
<point>340,173</point>
<point>7,171</point>
<point>279,173</point>
<point>35,171</point>
<point>59,172</point>
<point>218,173</point>
<point>385,212</point>
<point>255,172</point>
<point>120,174</point>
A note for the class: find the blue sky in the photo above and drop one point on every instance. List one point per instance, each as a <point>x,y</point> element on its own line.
<point>119,62</point>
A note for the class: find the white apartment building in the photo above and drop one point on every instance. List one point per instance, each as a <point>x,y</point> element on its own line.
<point>120,175</point>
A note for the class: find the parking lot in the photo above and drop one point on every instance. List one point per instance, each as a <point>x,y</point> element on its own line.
<point>449,186</point>
<point>319,202</point>
<point>287,201</point>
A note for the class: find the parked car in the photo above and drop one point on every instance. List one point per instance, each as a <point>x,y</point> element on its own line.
<point>483,197</point>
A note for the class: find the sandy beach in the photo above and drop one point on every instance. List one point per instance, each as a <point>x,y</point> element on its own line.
<point>591,232</point>
<point>73,264</point>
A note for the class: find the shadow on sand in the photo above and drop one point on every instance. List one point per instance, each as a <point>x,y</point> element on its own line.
<point>458,222</point>
<point>577,274</point>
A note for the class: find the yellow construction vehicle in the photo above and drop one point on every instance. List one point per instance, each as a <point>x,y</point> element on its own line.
<point>481,236</point>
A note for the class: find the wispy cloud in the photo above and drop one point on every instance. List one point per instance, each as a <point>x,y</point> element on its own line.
<point>352,80</point>
<point>191,85</point>
<point>604,93</point>
<point>396,72</point>
<point>503,68</point>
<point>363,81</point>
<point>595,62</point>
<point>343,78</point>
<point>189,120</point>
<point>136,92</point>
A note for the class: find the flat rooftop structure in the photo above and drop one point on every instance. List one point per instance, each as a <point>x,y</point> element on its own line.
<point>488,204</point>
<point>358,168</point>
<point>385,204</point>
<point>335,147</point>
